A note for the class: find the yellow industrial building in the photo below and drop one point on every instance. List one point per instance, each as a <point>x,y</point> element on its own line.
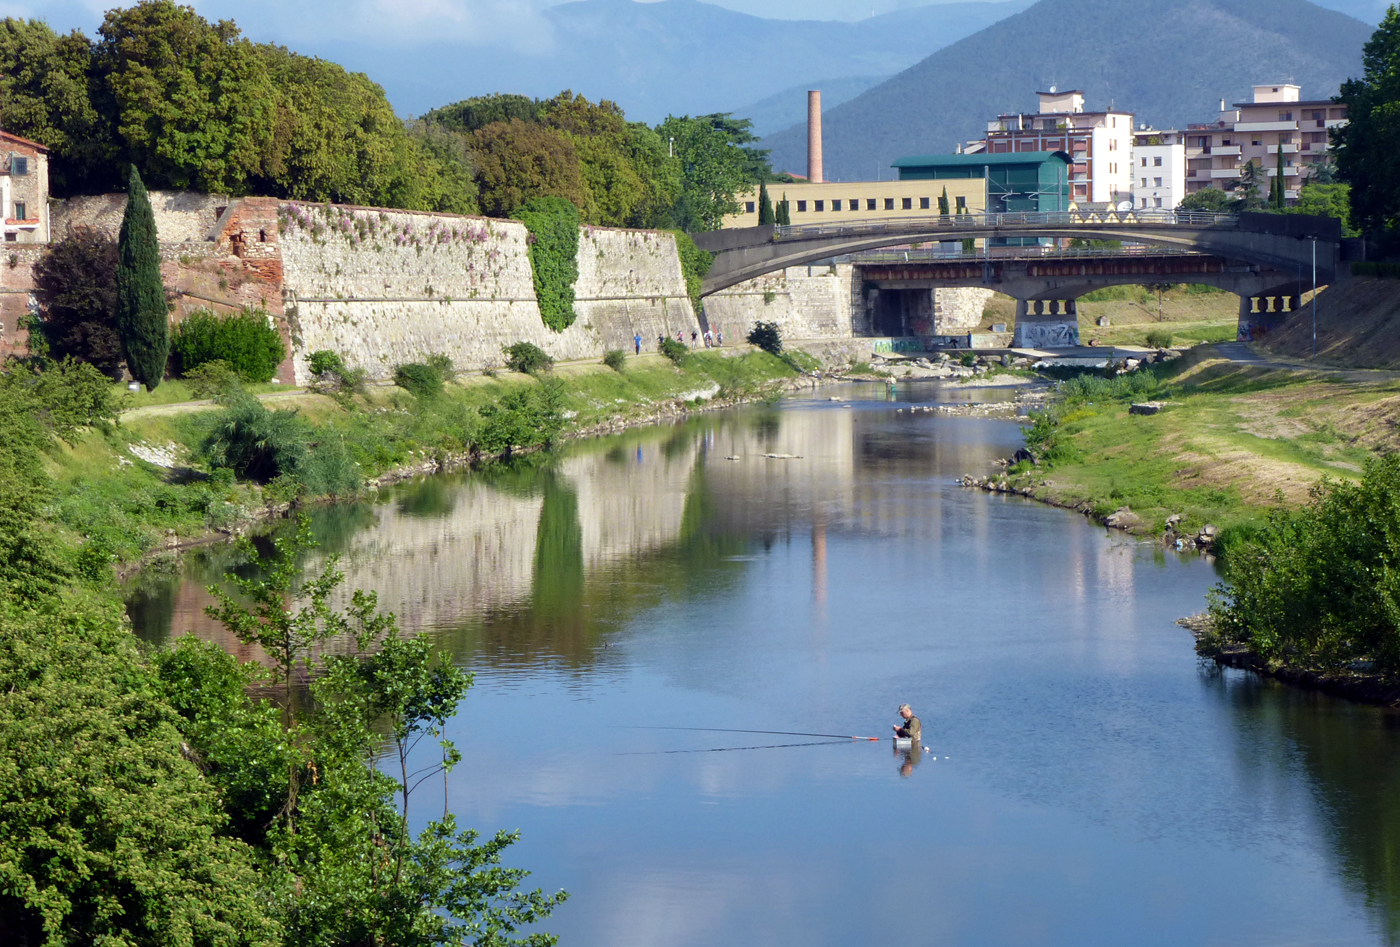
<point>832,202</point>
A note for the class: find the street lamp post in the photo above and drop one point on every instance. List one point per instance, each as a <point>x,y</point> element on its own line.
<point>1314,291</point>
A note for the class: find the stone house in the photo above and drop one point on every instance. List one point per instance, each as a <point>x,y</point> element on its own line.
<point>24,189</point>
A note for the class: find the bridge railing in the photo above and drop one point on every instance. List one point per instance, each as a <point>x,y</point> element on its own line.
<point>1040,252</point>
<point>973,223</point>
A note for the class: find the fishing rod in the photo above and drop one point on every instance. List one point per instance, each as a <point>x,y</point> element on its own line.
<point>776,733</point>
<point>730,749</point>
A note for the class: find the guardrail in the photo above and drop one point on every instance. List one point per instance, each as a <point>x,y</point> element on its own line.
<point>973,223</point>
<point>932,255</point>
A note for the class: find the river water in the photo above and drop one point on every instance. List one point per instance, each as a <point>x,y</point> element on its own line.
<point>1088,780</point>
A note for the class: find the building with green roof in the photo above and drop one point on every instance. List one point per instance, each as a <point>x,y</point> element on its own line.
<point>1030,182</point>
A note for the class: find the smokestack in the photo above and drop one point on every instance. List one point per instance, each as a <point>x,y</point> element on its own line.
<point>814,137</point>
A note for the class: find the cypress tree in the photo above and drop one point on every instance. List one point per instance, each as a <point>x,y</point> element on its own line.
<point>1280,196</point>
<point>784,215</point>
<point>943,202</point>
<point>765,207</point>
<point>143,318</point>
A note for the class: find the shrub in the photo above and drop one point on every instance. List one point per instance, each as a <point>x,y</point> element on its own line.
<point>523,418</point>
<point>1159,338</point>
<point>967,359</point>
<point>266,446</point>
<point>442,364</point>
<point>767,336</point>
<point>212,380</point>
<point>325,362</point>
<point>553,225</point>
<point>673,349</point>
<point>245,341</point>
<point>616,359</point>
<point>330,374</point>
<point>76,283</point>
<point>66,396</point>
<point>419,380</point>
<point>527,358</point>
<point>1383,270</point>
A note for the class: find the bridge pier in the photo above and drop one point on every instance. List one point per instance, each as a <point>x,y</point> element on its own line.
<point>1046,324</point>
<point>1261,313</point>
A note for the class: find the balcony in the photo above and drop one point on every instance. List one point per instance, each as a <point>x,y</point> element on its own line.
<point>1289,149</point>
<point>1266,127</point>
<point>1224,173</point>
<point>1336,123</point>
<point>1226,150</point>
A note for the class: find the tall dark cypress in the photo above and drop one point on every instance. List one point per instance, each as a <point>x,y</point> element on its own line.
<point>143,318</point>
<point>1280,195</point>
<point>765,207</point>
<point>943,206</point>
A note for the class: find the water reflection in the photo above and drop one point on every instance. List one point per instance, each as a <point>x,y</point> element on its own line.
<point>803,567</point>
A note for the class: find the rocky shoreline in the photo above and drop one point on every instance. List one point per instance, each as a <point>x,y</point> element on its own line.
<point>1361,686</point>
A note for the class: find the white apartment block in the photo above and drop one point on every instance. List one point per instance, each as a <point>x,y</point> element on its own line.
<point>1159,168</point>
<point>1100,144</point>
<point>1277,119</point>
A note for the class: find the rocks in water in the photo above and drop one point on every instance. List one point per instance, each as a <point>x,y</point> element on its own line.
<point>1145,407</point>
<point>1123,518</point>
<point>1173,520</point>
<point>1207,536</point>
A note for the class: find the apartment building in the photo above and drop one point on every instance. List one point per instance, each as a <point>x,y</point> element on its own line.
<point>24,189</point>
<point>1100,144</point>
<point>1278,119</point>
<point>1159,168</point>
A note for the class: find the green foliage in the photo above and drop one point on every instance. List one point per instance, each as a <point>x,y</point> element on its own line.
<point>767,336</point>
<point>553,224</point>
<point>214,379</point>
<point>29,566</point>
<point>1160,338</point>
<point>1093,387</point>
<point>673,349</point>
<point>1368,146</point>
<point>267,446</point>
<point>518,162</point>
<point>783,215</point>
<point>76,282</point>
<point>967,359</point>
<point>765,207</point>
<point>695,264</point>
<point>330,373</point>
<point>325,362</point>
<point>1208,200</point>
<point>1327,200</point>
<point>944,208</point>
<point>244,341</point>
<point>527,358</point>
<point>66,396</point>
<point>420,380</point>
<point>715,165</point>
<point>470,114</point>
<point>1383,270</point>
<point>616,359</point>
<point>1318,586</point>
<point>142,315</point>
<point>523,418</point>
<point>442,364</point>
<point>108,832</point>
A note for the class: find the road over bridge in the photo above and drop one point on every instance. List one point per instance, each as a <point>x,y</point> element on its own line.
<point>1264,258</point>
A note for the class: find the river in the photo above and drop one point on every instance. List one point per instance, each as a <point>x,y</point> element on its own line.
<point>1088,780</point>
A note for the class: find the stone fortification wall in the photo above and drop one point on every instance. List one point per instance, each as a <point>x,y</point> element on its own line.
<point>807,302</point>
<point>958,311</point>
<point>386,287</point>
<point>181,216</point>
<point>17,299</point>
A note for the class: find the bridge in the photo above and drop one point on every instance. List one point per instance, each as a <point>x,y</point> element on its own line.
<point>1266,259</point>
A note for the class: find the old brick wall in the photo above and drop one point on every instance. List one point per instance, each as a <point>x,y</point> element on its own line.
<point>17,298</point>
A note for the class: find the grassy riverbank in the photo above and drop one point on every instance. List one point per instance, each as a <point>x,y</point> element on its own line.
<point>1231,442</point>
<point>149,481</point>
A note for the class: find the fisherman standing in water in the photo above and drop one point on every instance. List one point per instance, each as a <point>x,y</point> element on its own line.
<point>913,730</point>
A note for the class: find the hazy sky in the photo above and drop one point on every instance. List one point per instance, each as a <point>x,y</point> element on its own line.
<point>306,24</point>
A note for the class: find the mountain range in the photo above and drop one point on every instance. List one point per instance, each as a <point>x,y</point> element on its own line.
<point>1116,51</point>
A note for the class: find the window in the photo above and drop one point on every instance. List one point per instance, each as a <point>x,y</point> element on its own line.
<point>11,237</point>
<point>801,206</point>
<point>907,204</point>
<point>962,203</point>
<point>1144,162</point>
<point>1159,202</point>
<point>1113,144</point>
<point>1144,182</point>
<point>923,203</point>
<point>262,236</point>
<point>1156,182</point>
<point>889,203</point>
<point>855,204</point>
<point>20,211</point>
<point>1285,116</point>
<point>836,204</point>
<point>870,203</point>
<point>820,205</point>
<point>748,207</point>
<point>1144,202</point>
<point>19,165</point>
<point>1225,142</point>
<point>1080,190</point>
<point>1156,162</point>
<point>1256,142</point>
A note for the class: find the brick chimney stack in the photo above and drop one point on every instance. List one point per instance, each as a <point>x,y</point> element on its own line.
<point>814,137</point>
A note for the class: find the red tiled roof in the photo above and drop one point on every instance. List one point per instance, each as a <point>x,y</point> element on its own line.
<point>23,141</point>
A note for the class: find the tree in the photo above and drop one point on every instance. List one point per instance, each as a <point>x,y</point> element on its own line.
<point>468,115</point>
<point>1327,200</point>
<point>783,217</point>
<point>1368,146</point>
<point>1279,190</point>
<point>943,207</point>
<point>713,166</point>
<point>142,315</point>
<point>517,161</point>
<point>1209,200</point>
<point>765,207</point>
<point>76,282</point>
<point>1252,177</point>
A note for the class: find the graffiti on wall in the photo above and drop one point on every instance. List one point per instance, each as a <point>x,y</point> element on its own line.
<point>1047,335</point>
<point>887,346</point>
